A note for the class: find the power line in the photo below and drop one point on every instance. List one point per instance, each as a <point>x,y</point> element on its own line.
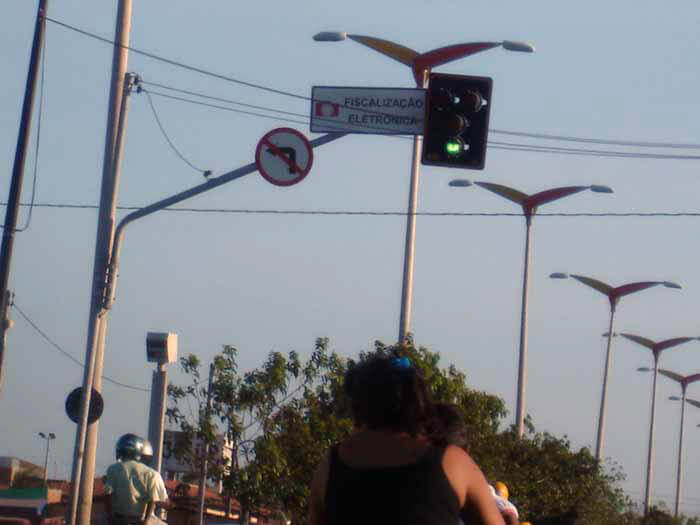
<point>612,142</point>
<point>167,138</point>
<point>507,146</point>
<point>370,213</point>
<point>67,354</point>
<point>595,153</point>
<point>175,62</point>
<point>306,98</point>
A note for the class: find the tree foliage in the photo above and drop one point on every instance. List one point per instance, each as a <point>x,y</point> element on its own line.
<point>281,417</point>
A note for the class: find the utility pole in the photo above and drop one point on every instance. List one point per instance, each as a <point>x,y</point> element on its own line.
<point>10,224</point>
<point>205,451</point>
<point>83,472</point>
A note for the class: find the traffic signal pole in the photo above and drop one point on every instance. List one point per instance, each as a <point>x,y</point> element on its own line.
<point>10,224</point>
<point>409,248</point>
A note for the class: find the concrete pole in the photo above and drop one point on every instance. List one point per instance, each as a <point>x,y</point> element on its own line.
<point>679,475</point>
<point>105,231</point>
<point>156,419</point>
<point>604,394</point>
<point>409,248</point>
<point>522,360</point>
<point>650,452</point>
<point>10,224</point>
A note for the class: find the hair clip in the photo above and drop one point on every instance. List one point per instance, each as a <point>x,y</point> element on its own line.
<point>400,363</point>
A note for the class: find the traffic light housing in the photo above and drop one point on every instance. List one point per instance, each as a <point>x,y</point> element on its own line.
<point>456,121</point>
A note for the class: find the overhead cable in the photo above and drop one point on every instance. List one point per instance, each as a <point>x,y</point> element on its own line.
<point>67,354</point>
<point>369,213</point>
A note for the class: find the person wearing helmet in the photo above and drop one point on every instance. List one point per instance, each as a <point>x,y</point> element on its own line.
<point>147,459</point>
<point>131,488</point>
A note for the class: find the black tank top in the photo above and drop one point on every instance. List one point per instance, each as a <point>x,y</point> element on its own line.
<point>414,494</point>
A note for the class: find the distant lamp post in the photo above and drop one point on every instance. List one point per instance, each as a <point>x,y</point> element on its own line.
<point>529,205</point>
<point>48,438</point>
<point>656,349</point>
<point>421,64</point>
<point>684,381</point>
<point>613,294</point>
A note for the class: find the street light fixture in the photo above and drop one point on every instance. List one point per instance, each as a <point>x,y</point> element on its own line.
<point>421,64</point>
<point>613,294</point>
<point>656,349</point>
<point>47,437</point>
<point>684,381</point>
<point>529,204</point>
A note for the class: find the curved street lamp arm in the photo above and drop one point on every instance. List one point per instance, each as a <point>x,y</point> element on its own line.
<point>543,197</point>
<point>627,289</point>
<point>672,375</point>
<point>669,343</point>
<point>651,345</point>
<point>693,402</point>
<point>603,288</point>
<point>398,52</point>
<point>692,378</point>
<point>518,197</point>
<point>443,55</point>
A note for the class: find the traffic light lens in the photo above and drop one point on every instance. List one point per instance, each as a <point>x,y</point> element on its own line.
<point>454,147</point>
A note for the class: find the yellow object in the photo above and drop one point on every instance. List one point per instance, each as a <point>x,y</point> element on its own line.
<point>525,523</point>
<point>501,489</point>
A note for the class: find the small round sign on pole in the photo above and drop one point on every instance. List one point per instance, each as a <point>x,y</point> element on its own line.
<point>95,409</point>
<point>284,156</point>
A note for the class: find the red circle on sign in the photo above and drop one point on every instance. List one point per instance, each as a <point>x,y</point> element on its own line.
<point>300,171</point>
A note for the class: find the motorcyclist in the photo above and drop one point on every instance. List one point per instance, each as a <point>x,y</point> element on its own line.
<point>131,488</point>
<point>147,459</point>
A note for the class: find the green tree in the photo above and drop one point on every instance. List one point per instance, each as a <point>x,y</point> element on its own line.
<point>247,408</point>
<point>284,415</point>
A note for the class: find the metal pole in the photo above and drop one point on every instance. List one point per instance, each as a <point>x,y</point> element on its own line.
<point>46,461</point>
<point>522,364</point>
<point>103,243</point>
<point>650,454</point>
<point>604,394</point>
<point>205,452</point>
<point>409,249</point>
<point>10,224</point>
<point>679,476</point>
<point>156,420</point>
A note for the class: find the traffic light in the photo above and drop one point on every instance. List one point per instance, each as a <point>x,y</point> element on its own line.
<point>456,121</point>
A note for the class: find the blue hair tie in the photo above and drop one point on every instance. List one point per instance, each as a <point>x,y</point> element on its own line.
<point>401,363</point>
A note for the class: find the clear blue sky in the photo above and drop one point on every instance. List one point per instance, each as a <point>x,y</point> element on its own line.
<point>612,71</point>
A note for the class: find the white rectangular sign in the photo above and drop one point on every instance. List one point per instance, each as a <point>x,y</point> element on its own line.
<point>377,111</point>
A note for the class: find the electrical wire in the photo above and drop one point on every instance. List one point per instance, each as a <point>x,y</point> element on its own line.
<point>175,62</point>
<point>611,142</point>
<point>225,108</point>
<point>38,139</point>
<point>306,98</point>
<point>67,354</point>
<point>167,138</point>
<point>506,146</point>
<point>38,136</point>
<point>366,213</point>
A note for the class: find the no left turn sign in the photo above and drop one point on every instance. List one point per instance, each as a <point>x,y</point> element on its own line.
<point>284,156</point>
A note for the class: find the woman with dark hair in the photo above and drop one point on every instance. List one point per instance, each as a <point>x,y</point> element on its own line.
<point>388,471</point>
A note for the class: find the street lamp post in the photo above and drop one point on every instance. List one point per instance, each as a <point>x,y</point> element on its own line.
<point>421,65</point>
<point>47,437</point>
<point>529,204</point>
<point>656,349</point>
<point>684,381</point>
<point>613,294</point>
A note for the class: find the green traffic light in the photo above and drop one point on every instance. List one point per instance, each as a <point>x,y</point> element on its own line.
<point>453,147</point>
